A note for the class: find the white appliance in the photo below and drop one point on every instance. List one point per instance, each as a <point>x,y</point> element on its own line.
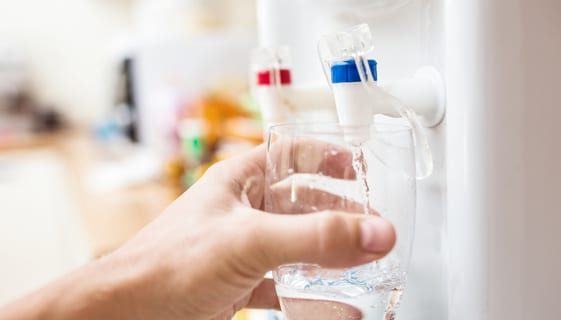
<point>488,218</point>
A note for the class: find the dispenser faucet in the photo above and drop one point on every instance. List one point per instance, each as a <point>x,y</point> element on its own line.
<point>356,96</point>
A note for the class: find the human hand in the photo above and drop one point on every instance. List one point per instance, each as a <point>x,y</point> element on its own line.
<point>208,252</point>
<point>206,255</point>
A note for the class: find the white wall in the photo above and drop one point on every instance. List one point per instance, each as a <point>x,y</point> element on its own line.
<point>185,18</point>
<point>503,159</point>
<point>68,44</point>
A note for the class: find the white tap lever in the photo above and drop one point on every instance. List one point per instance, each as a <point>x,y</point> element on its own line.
<point>353,79</point>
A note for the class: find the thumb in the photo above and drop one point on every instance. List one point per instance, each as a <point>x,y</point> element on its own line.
<point>331,239</point>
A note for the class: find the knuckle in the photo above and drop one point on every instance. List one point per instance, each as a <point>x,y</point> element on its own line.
<point>250,243</point>
<point>332,231</point>
<point>216,169</point>
<point>331,222</point>
<point>251,234</point>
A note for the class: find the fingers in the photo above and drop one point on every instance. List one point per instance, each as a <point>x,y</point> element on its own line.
<point>292,196</point>
<point>330,239</point>
<point>242,176</point>
<point>245,174</point>
<point>264,296</point>
<point>318,309</point>
<point>302,155</point>
<point>305,155</point>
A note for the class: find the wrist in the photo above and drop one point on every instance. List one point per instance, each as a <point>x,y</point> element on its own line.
<point>102,289</point>
<point>112,288</point>
<point>98,290</point>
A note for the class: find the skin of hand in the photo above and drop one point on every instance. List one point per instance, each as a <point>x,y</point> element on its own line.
<point>206,255</point>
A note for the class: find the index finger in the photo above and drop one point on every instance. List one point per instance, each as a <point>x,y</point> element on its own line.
<point>281,158</point>
<point>302,155</point>
<point>288,155</point>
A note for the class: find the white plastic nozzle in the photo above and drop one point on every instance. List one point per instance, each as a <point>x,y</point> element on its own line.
<point>352,76</point>
<point>271,78</point>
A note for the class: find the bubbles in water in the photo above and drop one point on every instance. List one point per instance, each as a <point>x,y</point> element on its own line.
<point>361,169</point>
<point>374,290</point>
<point>370,291</point>
<point>393,303</point>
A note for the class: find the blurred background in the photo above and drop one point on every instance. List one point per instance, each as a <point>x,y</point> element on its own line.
<point>109,109</point>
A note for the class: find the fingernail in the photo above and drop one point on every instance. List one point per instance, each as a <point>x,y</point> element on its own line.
<point>376,235</point>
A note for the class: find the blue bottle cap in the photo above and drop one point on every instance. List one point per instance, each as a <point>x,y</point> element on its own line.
<point>346,71</point>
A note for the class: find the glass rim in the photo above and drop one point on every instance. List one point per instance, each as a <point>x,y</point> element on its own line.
<point>329,128</point>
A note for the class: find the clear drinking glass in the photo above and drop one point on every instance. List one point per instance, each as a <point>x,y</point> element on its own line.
<point>315,167</point>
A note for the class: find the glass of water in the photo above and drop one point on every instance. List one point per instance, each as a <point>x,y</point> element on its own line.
<point>360,170</point>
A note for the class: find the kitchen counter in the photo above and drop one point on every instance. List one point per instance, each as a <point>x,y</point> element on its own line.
<point>108,218</point>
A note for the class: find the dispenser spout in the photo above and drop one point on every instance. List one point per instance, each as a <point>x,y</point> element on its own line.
<point>353,78</point>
